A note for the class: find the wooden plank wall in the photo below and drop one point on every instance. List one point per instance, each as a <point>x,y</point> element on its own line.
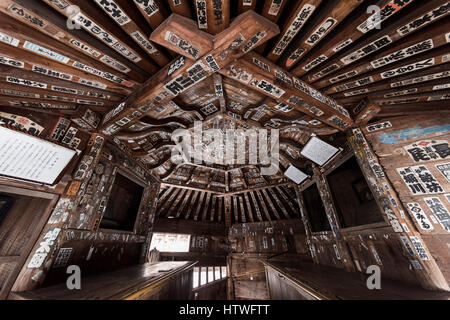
<point>252,242</point>
<point>414,149</point>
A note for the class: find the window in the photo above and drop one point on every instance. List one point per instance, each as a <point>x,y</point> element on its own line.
<point>205,275</point>
<point>123,204</point>
<point>315,209</point>
<point>196,277</point>
<point>224,272</point>
<point>168,242</point>
<point>217,273</point>
<point>353,199</point>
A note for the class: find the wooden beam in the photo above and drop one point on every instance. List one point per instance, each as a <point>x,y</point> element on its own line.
<point>110,33</point>
<point>433,58</point>
<point>191,205</point>
<point>249,208</point>
<point>169,201</point>
<point>388,35</point>
<point>264,76</point>
<point>351,32</point>
<point>174,205</point>
<point>227,207</point>
<point>55,26</point>
<point>296,21</point>
<point>119,15</point>
<point>37,46</point>
<point>213,208</point>
<point>322,24</point>
<point>279,203</point>
<point>230,44</point>
<point>263,204</point>
<point>235,209</point>
<point>180,7</point>
<point>246,5</point>
<point>241,206</point>
<point>364,111</point>
<point>398,83</point>
<point>272,207</point>
<point>212,16</point>
<point>153,11</point>
<point>46,96</point>
<point>199,205</point>
<point>206,207</point>
<point>177,32</point>
<point>420,108</point>
<point>220,209</point>
<point>430,38</point>
<point>255,204</point>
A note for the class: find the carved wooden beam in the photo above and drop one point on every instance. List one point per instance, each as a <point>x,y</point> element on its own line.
<point>246,31</point>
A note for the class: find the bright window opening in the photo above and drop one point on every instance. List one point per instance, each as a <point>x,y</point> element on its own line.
<point>196,275</point>
<point>167,242</point>
<point>205,275</point>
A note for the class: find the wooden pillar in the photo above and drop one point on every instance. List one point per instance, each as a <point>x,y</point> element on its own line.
<point>153,203</point>
<point>306,224</point>
<point>327,199</point>
<point>230,284</point>
<point>227,203</point>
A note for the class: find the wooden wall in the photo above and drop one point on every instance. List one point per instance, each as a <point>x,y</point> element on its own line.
<point>415,154</point>
<point>252,242</point>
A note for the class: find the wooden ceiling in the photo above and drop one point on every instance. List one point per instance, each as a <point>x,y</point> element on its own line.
<point>146,68</point>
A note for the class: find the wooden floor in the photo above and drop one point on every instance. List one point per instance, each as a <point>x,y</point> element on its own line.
<point>115,285</point>
<point>341,285</point>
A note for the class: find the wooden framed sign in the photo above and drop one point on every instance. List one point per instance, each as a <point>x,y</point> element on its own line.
<point>319,151</point>
<point>31,158</point>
